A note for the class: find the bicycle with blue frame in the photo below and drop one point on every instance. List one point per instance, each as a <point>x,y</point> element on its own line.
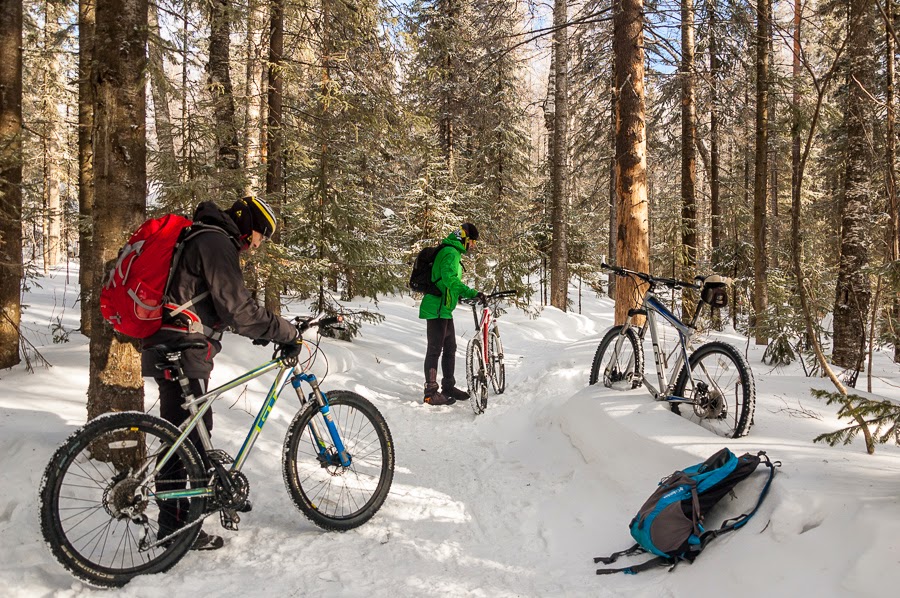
<point>712,385</point>
<point>106,486</point>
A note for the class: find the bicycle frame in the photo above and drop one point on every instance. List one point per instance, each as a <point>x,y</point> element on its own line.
<point>484,327</point>
<point>653,306</point>
<point>285,374</point>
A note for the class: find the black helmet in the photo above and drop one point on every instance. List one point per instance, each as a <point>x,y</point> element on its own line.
<point>468,231</point>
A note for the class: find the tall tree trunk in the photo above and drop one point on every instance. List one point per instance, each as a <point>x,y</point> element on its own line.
<point>228,156</point>
<point>853,293</point>
<point>632,235</point>
<point>11,271</point>
<point>120,181</point>
<point>159,90</point>
<point>891,178</point>
<point>559,163</point>
<point>52,216</point>
<point>256,19</point>
<point>714,192</point>
<point>612,181</point>
<point>795,108</point>
<point>450,92</point>
<point>760,296</point>
<point>85,161</point>
<point>688,156</point>
<point>274,133</point>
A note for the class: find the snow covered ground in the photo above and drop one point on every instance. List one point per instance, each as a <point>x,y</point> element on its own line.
<point>515,502</point>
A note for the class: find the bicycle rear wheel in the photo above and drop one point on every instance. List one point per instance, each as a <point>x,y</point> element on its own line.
<point>334,497</point>
<point>89,515</point>
<point>476,377</point>
<point>724,394</point>
<point>497,368</point>
<point>619,360</point>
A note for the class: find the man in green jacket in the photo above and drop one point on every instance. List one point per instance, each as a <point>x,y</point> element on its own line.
<point>438,314</point>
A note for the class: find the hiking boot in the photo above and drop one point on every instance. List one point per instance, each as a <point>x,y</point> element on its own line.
<point>433,397</point>
<point>206,541</point>
<point>457,394</point>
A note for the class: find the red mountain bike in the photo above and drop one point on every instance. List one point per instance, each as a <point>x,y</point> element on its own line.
<point>484,354</point>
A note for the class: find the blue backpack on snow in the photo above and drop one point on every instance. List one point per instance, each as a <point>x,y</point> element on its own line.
<point>670,523</point>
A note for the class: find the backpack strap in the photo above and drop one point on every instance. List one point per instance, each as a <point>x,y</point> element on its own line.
<point>608,560</point>
<point>657,561</point>
<point>194,325</point>
<point>440,248</point>
<point>741,520</point>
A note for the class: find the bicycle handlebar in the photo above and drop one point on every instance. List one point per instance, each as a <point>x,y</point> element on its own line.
<point>319,321</point>
<point>652,280</point>
<point>492,296</point>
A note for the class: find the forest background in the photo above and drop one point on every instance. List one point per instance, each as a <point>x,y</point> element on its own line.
<point>753,139</point>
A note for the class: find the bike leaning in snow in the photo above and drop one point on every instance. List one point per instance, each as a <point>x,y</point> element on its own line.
<point>484,354</point>
<point>102,492</point>
<point>712,386</point>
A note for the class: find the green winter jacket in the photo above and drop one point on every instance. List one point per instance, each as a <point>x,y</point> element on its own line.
<point>447,273</point>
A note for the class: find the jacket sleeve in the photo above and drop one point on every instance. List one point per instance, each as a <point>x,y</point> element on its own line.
<point>449,270</point>
<point>231,299</point>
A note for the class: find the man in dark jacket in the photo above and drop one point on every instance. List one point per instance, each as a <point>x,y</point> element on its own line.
<point>209,273</point>
<point>438,313</point>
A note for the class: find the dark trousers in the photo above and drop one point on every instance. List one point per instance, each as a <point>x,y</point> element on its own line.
<point>173,475</point>
<point>441,346</point>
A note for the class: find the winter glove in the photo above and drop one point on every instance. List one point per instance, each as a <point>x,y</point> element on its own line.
<point>481,298</point>
<point>291,350</point>
<point>262,342</point>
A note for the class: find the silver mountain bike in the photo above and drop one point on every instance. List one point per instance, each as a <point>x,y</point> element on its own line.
<point>711,386</point>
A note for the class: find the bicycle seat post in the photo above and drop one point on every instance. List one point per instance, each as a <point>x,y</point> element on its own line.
<point>175,371</point>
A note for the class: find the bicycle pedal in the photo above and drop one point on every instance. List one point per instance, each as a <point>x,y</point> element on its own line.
<point>229,519</point>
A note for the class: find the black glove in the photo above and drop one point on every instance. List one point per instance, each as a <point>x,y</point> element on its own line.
<point>262,342</point>
<point>481,297</point>
<point>291,349</point>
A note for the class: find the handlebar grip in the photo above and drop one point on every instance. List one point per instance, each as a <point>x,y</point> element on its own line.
<point>326,322</point>
<point>320,322</point>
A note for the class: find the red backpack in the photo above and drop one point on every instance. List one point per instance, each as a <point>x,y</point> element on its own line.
<point>134,294</point>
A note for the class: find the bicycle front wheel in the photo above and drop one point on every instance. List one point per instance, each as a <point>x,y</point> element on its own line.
<point>99,517</point>
<point>723,394</point>
<point>497,369</point>
<point>619,360</point>
<point>476,377</point>
<point>335,497</point>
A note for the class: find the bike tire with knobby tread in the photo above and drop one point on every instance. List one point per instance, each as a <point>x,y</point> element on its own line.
<point>341,403</point>
<point>49,496</point>
<point>748,404</point>
<point>476,377</point>
<point>498,368</point>
<point>608,340</point>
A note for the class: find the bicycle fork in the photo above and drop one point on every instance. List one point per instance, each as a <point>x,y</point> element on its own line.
<point>343,457</point>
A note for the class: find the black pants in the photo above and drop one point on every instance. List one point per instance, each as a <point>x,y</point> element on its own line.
<point>441,346</point>
<point>173,475</point>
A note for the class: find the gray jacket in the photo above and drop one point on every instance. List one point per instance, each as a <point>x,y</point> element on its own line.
<point>210,262</point>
